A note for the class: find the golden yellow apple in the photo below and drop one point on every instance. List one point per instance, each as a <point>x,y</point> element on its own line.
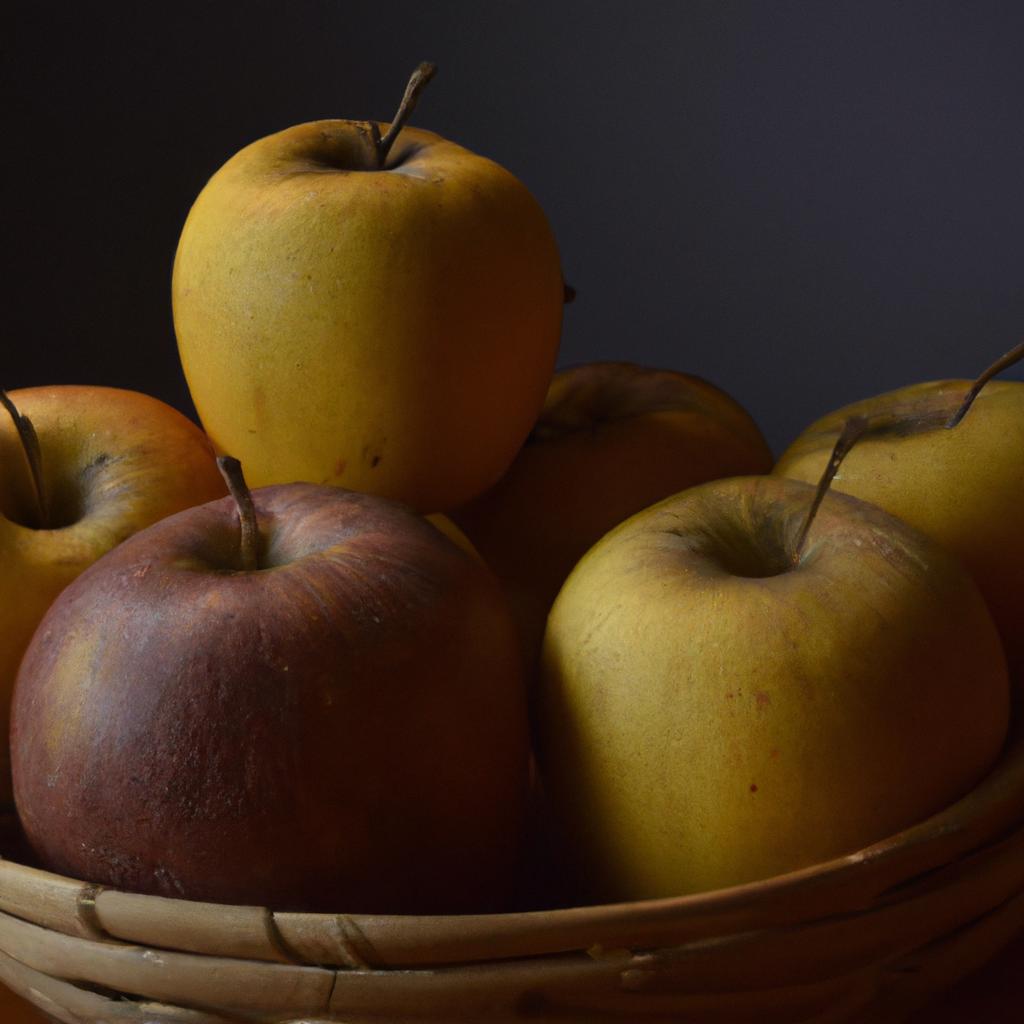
<point>382,323</point>
<point>963,486</point>
<point>113,462</point>
<point>720,704</point>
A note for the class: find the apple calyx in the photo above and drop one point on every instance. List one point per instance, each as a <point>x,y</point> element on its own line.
<point>231,469</point>
<point>379,146</point>
<point>853,430</point>
<point>33,455</point>
<point>1004,362</point>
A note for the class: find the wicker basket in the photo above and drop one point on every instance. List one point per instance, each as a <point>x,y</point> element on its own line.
<point>869,936</point>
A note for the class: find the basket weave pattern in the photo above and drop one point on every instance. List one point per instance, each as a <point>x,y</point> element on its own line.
<point>868,936</point>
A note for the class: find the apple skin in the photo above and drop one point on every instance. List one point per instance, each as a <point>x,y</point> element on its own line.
<point>341,730</point>
<point>391,331</point>
<point>612,438</point>
<point>114,462</point>
<point>704,724</point>
<point>963,487</point>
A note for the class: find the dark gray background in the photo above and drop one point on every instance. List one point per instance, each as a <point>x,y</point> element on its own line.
<point>805,202</point>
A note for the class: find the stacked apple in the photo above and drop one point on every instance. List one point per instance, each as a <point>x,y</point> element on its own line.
<point>313,698</point>
<point>324,711</point>
<point>948,458</point>
<point>611,439</point>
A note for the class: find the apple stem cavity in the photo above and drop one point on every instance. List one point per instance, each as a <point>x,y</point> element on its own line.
<point>417,83</point>
<point>34,456</point>
<point>1002,363</point>
<point>231,469</point>
<point>853,430</point>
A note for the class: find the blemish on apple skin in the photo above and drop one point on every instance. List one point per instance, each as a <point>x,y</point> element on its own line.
<point>729,695</point>
<point>762,699</point>
<point>753,787</point>
<point>339,466</point>
<point>774,753</point>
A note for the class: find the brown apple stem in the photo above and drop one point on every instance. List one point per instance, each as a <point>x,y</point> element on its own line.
<point>231,469</point>
<point>1002,363</point>
<point>853,430</point>
<point>33,455</point>
<point>417,83</point>
<point>369,132</point>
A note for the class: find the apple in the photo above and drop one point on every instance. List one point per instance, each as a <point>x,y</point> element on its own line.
<point>962,486</point>
<point>723,701</point>
<point>326,714</point>
<point>100,464</point>
<point>381,314</point>
<point>612,438</point>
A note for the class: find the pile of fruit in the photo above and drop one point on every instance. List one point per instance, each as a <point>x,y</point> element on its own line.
<point>473,609</point>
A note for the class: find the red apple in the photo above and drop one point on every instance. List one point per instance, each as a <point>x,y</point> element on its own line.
<point>340,725</point>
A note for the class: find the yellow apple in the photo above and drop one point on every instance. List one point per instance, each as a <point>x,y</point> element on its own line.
<point>387,324</point>
<point>720,704</point>
<point>113,462</point>
<point>962,486</point>
<point>611,439</point>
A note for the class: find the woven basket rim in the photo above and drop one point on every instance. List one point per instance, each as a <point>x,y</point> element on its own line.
<point>880,928</point>
<point>1001,783</point>
<point>852,882</point>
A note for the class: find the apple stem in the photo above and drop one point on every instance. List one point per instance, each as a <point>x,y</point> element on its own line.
<point>1002,363</point>
<point>231,469</point>
<point>853,430</point>
<point>34,456</point>
<point>417,83</point>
